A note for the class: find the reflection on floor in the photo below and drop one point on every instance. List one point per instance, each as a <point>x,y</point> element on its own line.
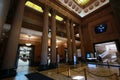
<point>66,72</point>
<point>23,63</point>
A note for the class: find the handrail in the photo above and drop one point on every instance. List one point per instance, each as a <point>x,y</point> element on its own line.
<point>100,75</point>
<point>86,71</point>
<point>78,71</point>
<point>114,74</point>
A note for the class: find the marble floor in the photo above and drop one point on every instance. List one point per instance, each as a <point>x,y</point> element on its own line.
<point>72,72</point>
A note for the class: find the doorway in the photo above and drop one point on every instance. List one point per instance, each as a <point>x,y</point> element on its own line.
<point>106,51</point>
<point>25,57</point>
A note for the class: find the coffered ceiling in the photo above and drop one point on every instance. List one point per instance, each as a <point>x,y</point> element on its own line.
<point>83,7</point>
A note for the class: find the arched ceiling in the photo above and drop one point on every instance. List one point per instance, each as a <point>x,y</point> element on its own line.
<point>83,7</point>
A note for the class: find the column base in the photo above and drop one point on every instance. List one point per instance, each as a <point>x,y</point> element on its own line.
<point>47,67</point>
<point>72,62</point>
<point>8,73</point>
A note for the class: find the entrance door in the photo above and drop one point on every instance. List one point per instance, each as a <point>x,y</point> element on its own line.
<point>25,58</point>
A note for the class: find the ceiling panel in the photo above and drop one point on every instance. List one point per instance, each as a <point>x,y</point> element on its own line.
<point>85,8</point>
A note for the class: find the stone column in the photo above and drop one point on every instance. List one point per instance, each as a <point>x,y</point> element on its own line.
<point>53,36</point>
<point>116,10</point>
<point>74,52</point>
<point>81,40</point>
<point>4,7</point>
<point>13,40</point>
<point>70,58</point>
<point>44,53</point>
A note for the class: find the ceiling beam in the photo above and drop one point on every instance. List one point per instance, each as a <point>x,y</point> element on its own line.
<point>61,10</point>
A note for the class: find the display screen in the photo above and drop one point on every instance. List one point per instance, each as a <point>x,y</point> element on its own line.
<point>101,28</point>
<point>88,55</point>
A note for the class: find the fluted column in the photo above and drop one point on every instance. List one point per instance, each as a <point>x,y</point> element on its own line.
<point>115,4</point>
<point>12,45</point>
<point>68,40</point>
<point>53,36</point>
<point>44,53</point>
<point>116,10</point>
<point>74,52</point>
<point>81,40</point>
<point>4,7</point>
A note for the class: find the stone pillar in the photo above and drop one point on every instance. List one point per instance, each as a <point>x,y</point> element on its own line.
<point>53,36</point>
<point>4,7</point>
<point>74,52</point>
<point>81,40</point>
<point>116,9</point>
<point>9,61</point>
<point>44,53</point>
<point>70,58</point>
<point>13,40</point>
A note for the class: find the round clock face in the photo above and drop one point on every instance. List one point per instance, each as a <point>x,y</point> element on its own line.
<point>101,28</point>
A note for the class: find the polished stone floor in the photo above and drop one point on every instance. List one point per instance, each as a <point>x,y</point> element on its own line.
<point>70,72</point>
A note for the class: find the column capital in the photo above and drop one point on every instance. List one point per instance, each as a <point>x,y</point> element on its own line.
<point>79,25</point>
<point>45,8</point>
<point>52,11</point>
<point>71,22</point>
<point>67,20</point>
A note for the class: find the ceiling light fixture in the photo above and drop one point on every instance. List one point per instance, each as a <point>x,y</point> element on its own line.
<point>82,2</point>
<point>28,44</point>
<point>39,9</point>
<point>33,6</point>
